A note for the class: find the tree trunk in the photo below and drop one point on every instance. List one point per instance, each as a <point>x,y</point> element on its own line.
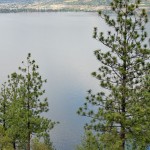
<point>28,144</point>
<point>14,145</point>
<point>28,109</point>
<point>122,136</point>
<point>124,84</point>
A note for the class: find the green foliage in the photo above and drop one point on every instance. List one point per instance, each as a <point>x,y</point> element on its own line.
<point>120,114</point>
<point>89,142</point>
<point>22,104</point>
<point>38,145</point>
<point>48,142</point>
<point>141,129</point>
<point>4,103</point>
<point>5,141</point>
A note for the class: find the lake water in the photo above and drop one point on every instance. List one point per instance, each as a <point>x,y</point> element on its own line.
<point>62,45</point>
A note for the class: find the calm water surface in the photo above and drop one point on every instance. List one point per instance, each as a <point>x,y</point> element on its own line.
<point>62,45</point>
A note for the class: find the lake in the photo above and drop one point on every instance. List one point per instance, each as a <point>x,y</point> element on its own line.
<point>62,45</point>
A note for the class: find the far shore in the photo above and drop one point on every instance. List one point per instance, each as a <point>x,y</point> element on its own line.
<point>40,7</point>
<point>55,8</point>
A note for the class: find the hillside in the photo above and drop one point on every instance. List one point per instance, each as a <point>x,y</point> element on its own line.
<point>16,1</point>
<point>57,5</point>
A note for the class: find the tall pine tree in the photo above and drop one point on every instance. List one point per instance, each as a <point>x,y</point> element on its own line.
<point>23,96</point>
<point>117,116</point>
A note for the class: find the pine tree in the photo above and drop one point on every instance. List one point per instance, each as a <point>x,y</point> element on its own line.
<point>15,111</point>
<point>26,104</point>
<point>31,88</point>
<point>115,111</point>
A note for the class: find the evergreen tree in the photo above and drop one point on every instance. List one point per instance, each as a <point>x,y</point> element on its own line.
<point>31,89</point>
<point>116,113</point>
<point>14,115</point>
<point>26,104</point>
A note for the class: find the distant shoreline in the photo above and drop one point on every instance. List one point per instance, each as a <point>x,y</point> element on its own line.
<point>44,11</point>
<point>58,8</point>
<point>47,10</point>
